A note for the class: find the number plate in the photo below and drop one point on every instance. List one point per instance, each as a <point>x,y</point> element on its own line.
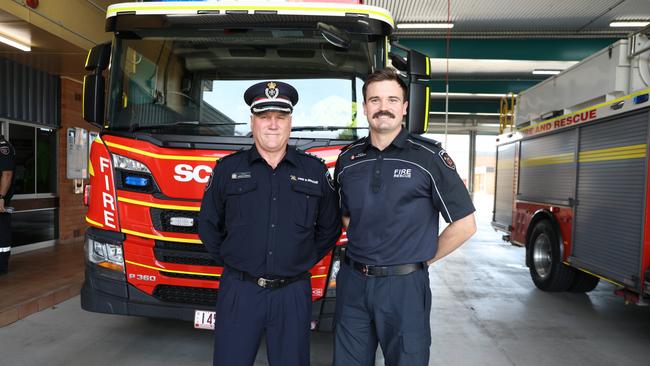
<point>203,319</point>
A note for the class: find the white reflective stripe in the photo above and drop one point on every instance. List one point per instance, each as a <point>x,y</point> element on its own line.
<point>265,100</point>
<point>338,177</point>
<point>271,108</point>
<point>363,141</point>
<point>5,249</point>
<point>434,184</point>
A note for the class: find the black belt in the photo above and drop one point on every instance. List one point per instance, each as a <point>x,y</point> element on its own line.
<point>271,283</point>
<point>382,271</point>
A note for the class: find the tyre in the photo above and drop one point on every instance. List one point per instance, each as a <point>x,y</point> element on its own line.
<point>546,267</point>
<point>583,282</point>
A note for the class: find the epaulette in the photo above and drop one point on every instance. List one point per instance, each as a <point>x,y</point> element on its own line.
<point>352,143</point>
<point>427,142</point>
<point>311,155</point>
<point>233,154</point>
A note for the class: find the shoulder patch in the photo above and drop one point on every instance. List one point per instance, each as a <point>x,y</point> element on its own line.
<point>4,150</point>
<point>446,159</point>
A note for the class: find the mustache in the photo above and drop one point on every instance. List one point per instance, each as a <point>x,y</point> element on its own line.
<point>383,113</point>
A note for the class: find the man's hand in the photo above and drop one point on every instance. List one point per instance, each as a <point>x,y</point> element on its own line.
<point>2,205</point>
<point>454,235</point>
<point>346,221</point>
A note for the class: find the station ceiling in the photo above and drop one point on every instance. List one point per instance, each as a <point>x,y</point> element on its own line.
<point>523,32</point>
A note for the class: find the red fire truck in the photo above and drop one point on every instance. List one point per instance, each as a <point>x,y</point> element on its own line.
<point>572,176</point>
<point>176,75</point>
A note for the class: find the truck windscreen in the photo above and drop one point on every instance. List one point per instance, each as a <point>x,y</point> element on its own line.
<point>193,83</point>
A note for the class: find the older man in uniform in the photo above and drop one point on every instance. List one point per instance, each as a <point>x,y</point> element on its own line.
<point>269,213</point>
<point>7,167</point>
<point>393,186</point>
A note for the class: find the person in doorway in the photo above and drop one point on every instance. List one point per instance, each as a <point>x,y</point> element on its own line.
<point>393,185</point>
<point>269,213</point>
<point>7,168</point>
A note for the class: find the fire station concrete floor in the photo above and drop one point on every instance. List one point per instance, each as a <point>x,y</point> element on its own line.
<point>486,311</point>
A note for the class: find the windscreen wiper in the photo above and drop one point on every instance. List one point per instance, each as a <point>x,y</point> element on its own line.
<point>138,127</point>
<point>325,128</point>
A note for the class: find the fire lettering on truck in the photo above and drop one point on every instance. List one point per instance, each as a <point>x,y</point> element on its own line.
<point>108,201</point>
<point>580,117</point>
<point>186,173</point>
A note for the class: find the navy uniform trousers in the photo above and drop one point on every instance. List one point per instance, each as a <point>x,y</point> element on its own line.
<point>391,311</point>
<point>245,311</point>
<point>5,241</point>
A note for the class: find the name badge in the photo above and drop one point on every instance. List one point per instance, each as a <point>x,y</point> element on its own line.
<point>241,175</point>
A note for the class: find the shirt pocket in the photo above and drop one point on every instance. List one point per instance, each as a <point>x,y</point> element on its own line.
<point>236,213</point>
<point>305,200</point>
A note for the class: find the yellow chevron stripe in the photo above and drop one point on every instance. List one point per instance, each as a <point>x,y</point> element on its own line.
<point>160,237</point>
<point>160,156</point>
<point>91,170</point>
<point>91,222</point>
<point>173,271</point>
<point>156,205</point>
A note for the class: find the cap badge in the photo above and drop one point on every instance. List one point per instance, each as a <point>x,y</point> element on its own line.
<point>271,90</point>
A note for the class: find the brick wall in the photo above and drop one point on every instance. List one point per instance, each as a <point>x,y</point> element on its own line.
<point>72,211</point>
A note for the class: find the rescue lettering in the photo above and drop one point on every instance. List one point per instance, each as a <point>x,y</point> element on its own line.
<point>186,173</point>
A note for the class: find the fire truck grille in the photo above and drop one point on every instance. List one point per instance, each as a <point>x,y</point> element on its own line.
<point>174,221</point>
<point>190,276</point>
<point>186,295</point>
<point>181,253</point>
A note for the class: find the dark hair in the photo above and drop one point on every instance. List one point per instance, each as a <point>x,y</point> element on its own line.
<point>384,75</point>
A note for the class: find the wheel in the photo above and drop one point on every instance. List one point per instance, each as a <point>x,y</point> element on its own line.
<point>583,282</point>
<point>547,270</point>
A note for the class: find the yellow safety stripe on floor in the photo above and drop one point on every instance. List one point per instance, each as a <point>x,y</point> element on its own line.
<point>161,156</point>
<point>172,270</point>
<point>614,153</point>
<point>160,237</point>
<point>158,205</point>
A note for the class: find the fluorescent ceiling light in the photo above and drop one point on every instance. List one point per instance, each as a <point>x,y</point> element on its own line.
<point>465,114</point>
<point>425,25</point>
<point>629,24</point>
<point>12,43</point>
<point>546,72</point>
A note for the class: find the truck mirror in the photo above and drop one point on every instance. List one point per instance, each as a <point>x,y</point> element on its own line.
<point>93,98</point>
<point>98,57</point>
<point>419,66</point>
<point>417,115</point>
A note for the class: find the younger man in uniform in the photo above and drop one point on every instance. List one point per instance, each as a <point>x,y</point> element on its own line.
<point>393,185</point>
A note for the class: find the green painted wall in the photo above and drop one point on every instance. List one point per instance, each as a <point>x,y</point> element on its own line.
<point>511,49</point>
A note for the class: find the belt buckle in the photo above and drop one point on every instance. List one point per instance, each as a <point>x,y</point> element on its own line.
<point>262,282</point>
<point>364,269</point>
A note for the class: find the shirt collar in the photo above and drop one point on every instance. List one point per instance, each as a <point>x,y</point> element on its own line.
<point>399,141</point>
<point>291,155</point>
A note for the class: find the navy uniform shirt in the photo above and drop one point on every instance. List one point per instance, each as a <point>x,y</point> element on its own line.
<point>7,163</point>
<point>393,198</point>
<point>266,222</point>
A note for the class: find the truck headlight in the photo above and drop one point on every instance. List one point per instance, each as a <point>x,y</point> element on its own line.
<point>122,162</point>
<point>105,255</point>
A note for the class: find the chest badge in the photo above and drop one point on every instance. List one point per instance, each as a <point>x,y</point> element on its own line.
<point>240,175</point>
<point>446,159</point>
<point>357,156</point>
<point>402,173</point>
<point>4,150</point>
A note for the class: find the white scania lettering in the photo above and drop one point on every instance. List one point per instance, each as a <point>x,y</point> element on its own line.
<point>186,173</point>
